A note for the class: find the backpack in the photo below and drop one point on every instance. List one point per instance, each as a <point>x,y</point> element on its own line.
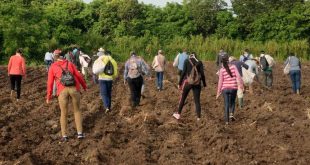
<point>133,67</point>
<point>264,63</point>
<point>67,78</point>
<point>270,60</point>
<point>109,69</point>
<point>194,77</point>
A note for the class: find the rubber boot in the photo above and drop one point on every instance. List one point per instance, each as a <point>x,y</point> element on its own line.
<point>240,101</point>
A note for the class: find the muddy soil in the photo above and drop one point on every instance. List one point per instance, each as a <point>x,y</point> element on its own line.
<point>272,128</point>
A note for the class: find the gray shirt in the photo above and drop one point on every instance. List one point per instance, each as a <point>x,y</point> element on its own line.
<point>294,62</point>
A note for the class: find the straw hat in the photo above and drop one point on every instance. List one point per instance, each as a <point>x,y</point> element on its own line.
<point>101,50</point>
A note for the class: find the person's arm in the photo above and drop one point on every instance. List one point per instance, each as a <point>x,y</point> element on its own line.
<point>203,78</point>
<point>286,61</point>
<point>126,71</point>
<point>78,76</point>
<point>23,66</point>
<point>220,83</point>
<point>9,65</point>
<point>115,68</point>
<point>239,79</point>
<point>50,83</point>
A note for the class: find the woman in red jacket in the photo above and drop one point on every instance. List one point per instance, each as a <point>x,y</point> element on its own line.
<point>66,92</point>
<point>16,70</point>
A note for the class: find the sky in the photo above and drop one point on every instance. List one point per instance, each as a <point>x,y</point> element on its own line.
<point>160,3</point>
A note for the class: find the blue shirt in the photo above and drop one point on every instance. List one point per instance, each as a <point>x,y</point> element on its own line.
<point>182,57</point>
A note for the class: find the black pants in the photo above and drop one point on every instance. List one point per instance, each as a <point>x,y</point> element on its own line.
<point>16,81</point>
<point>196,92</point>
<point>135,86</point>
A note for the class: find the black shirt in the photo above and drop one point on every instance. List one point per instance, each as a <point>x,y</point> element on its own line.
<point>188,68</point>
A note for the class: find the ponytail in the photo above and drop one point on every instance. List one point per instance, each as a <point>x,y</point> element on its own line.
<point>226,66</point>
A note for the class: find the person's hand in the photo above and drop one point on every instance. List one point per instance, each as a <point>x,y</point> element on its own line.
<point>217,96</point>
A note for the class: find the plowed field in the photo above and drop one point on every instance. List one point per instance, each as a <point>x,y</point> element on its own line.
<point>272,128</point>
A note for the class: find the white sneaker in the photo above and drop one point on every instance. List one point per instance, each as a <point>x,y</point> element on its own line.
<point>177,116</point>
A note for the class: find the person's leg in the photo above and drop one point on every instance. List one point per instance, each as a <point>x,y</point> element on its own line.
<point>161,77</point>
<point>109,93</point>
<point>226,96</point>
<point>185,92</point>
<point>63,99</point>
<point>138,85</point>
<point>133,91</point>
<point>18,85</point>
<point>104,93</point>
<point>265,78</point>
<point>12,80</point>
<point>76,101</point>
<point>298,81</point>
<point>240,98</point>
<point>269,79</point>
<point>233,101</point>
<point>293,80</point>
<point>157,80</point>
<point>196,93</point>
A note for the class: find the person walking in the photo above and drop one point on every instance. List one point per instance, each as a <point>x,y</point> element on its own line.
<point>48,59</point>
<point>253,68</point>
<point>179,62</point>
<point>295,72</point>
<point>85,61</point>
<point>135,67</point>
<point>229,82</point>
<point>219,57</point>
<point>186,86</point>
<point>106,79</point>
<point>266,66</point>
<point>16,71</point>
<point>158,65</point>
<point>245,56</point>
<point>239,65</point>
<point>68,82</point>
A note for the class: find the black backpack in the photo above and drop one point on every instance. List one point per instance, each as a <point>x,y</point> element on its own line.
<point>109,69</point>
<point>67,78</point>
<point>264,63</point>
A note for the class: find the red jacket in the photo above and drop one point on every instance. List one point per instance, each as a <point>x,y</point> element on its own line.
<point>17,65</point>
<point>55,72</point>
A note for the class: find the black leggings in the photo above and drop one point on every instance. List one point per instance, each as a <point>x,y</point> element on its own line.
<point>135,86</point>
<point>196,93</point>
<point>16,82</point>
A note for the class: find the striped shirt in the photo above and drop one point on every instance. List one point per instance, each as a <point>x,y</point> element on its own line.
<point>227,82</point>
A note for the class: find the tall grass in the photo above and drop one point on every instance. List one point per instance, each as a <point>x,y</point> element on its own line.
<point>205,48</point>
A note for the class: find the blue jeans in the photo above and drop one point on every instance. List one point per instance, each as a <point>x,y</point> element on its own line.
<point>159,80</point>
<point>106,92</point>
<point>48,63</point>
<point>295,77</point>
<point>230,102</point>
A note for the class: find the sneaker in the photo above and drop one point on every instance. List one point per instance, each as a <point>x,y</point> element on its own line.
<point>107,110</point>
<point>12,91</point>
<point>64,139</point>
<point>177,116</point>
<point>231,116</point>
<point>81,136</point>
<point>298,92</point>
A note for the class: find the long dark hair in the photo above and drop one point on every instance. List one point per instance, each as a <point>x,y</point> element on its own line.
<point>226,66</point>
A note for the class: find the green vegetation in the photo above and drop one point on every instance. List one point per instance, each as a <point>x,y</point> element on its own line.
<point>203,26</point>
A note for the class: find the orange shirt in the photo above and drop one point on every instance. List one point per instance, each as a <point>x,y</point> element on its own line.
<point>17,65</point>
<point>55,73</point>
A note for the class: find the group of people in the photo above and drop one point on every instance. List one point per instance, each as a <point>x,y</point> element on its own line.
<point>64,74</point>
